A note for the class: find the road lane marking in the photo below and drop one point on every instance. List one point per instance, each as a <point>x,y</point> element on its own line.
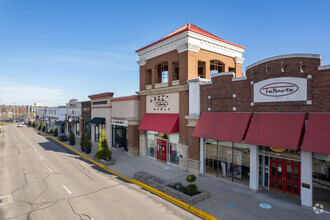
<point>41,158</point>
<point>68,191</point>
<point>49,169</point>
<point>34,150</point>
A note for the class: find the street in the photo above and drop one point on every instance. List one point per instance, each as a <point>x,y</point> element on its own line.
<point>40,179</point>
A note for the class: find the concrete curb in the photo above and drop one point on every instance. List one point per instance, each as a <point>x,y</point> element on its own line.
<point>169,198</point>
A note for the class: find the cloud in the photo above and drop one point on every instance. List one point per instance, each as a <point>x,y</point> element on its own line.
<point>25,94</point>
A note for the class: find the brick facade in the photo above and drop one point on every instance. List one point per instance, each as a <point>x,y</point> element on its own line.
<point>222,100</point>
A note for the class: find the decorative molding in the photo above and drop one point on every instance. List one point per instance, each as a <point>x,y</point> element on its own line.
<point>223,74</point>
<point>239,78</point>
<point>148,86</point>
<point>239,60</point>
<point>198,79</point>
<point>164,90</point>
<point>325,67</point>
<point>142,62</point>
<point>189,41</point>
<point>175,82</point>
<point>188,47</point>
<point>161,85</point>
<point>286,56</point>
<point>192,120</point>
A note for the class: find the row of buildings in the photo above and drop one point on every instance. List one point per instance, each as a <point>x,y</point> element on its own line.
<point>267,129</point>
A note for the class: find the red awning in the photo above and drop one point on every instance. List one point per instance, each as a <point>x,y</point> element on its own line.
<point>317,135</point>
<point>222,126</point>
<point>283,130</point>
<point>165,123</point>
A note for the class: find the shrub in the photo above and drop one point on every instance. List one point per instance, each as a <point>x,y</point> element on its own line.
<point>72,138</point>
<point>63,138</point>
<point>191,178</point>
<point>87,144</point>
<point>103,151</point>
<point>55,131</point>
<point>82,141</point>
<point>50,131</point>
<point>43,128</point>
<point>177,186</point>
<point>39,126</point>
<point>191,189</point>
<point>2,123</point>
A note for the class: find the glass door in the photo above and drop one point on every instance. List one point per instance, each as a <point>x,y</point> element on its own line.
<point>285,175</point>
<point>161,149</point>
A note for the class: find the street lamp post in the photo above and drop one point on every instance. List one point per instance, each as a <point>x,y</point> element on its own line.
<point>14,111</point>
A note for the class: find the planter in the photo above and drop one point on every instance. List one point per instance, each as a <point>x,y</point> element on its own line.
<point>83,149</point>
<point>88,150</point>
<point>72,142</point>
<point>106,162</point>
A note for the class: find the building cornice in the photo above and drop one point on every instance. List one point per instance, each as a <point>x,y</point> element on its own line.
<point>286,56</point>
<point>189,41</point>
<point>171,89</point>
<point>325,67</point>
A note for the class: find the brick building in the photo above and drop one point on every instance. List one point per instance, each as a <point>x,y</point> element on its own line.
<point>165,66</point>
<point>268,130</point>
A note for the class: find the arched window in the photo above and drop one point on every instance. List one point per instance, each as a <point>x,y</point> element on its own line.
<point>216,67</point>
<point>162,72</point>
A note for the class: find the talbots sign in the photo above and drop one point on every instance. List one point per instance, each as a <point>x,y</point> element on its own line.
<point>281,89</point>
<point>163,103</point>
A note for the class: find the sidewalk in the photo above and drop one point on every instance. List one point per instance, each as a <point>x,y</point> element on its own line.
<point>226,200</point>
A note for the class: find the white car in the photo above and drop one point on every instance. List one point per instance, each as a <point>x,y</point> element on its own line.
<point>20,124</point>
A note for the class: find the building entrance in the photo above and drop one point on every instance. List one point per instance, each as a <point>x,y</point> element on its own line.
<point>285,175</point>
<point>161,150</point>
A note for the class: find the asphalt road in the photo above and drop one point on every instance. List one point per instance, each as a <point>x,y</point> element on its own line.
<point>40,179</point>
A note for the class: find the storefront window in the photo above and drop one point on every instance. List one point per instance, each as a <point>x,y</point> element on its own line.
<point>321,180</point>
<point>174,148</point>
<point>241,163</point>
<point>211,155</point>
<point>119,136</point>
<point>151,143</point>
<point>97,132</point>
<point>77,128</point>
<point>227,160</point>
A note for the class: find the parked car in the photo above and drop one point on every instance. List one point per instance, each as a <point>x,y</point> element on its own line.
<point>20,124</point>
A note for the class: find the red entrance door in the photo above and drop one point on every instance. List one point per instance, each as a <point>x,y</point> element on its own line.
<point>161,149</point>
<point>285,175</point>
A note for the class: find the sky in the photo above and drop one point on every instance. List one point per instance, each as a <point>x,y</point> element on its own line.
<point>53,51</point>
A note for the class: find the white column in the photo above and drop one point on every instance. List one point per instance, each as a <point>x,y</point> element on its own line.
<point>201,153</point>
<point>306,179</point>
<point>254,167</point>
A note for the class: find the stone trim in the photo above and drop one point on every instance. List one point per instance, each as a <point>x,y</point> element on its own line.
<point>192,120</point>
<point>172,89</point>
<point>286,56</point>
<point>325,67</point>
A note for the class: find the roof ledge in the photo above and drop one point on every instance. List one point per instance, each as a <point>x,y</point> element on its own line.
<point>325,67</point>
<point>223,74</point>
<point>286,56</point>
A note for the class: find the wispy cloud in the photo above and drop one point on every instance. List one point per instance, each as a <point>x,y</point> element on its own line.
<point>25,94</point>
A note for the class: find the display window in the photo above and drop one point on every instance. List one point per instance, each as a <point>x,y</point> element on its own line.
<point>163,147</point>
<point>227,160</point>
<point>321,181</point>
<point>119,136</point>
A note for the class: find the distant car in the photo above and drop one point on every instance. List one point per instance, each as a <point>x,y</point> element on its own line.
<point>20,124</point>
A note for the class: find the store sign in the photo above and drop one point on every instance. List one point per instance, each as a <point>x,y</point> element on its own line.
<point>163,103</point>
<point>102,102</point>
<point>119,122</point>
<point>281,89</point>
